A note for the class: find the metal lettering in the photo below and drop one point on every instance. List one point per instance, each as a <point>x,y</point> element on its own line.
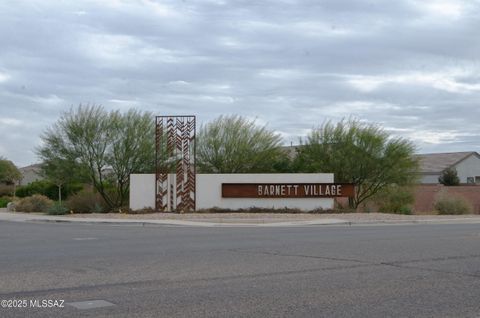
<point>327,190</point>
<point>306,188</point>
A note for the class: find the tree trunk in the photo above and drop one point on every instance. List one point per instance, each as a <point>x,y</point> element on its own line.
<point>351,203</point>
<point>60,194</point>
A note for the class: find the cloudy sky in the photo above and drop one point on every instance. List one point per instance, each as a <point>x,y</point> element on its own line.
<point>412,66</point>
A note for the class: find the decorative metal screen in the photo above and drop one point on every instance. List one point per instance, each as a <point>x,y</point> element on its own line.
<point>175,156</point>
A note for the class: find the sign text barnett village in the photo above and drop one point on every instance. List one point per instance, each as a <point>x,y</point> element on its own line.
<point>287,190</point>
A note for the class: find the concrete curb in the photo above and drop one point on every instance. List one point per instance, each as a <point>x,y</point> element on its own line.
<point>426,221</point>
<point>17,217</point>
<point>14,217</point>
<point>198,224</point>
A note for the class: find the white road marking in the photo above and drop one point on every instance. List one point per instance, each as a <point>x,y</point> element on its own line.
<point>84,238</point>
<point>91,304</point>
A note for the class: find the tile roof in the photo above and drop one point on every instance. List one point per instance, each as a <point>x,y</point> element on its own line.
<point>437,162</point>
<point>35,166</point>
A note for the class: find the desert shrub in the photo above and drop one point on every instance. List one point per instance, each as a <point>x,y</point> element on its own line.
<point>47,189</point>
<point>452,205</point>
<point>395,199</point>
<point>35,203</point>
<point>6,190</point>
<point>144,210</point>
<point>11,206</point>
<point>4,201</point>
<point>86,201</point>
<point>265,210</point>
<point>57,209</point>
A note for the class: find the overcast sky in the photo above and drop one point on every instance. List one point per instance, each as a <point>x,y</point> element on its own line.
<point>412,66</point>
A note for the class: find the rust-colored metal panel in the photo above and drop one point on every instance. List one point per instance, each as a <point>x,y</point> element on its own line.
<point>287,190</point>
<point>175,153</point>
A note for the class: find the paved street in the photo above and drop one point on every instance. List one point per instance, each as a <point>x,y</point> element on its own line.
<point>316,271</point>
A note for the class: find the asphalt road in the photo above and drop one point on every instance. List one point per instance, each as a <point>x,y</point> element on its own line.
<point>323,271</point>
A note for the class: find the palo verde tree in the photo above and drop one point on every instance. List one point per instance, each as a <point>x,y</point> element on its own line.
<point>132,149</point>
<point>108,145</point>
<point>359,153</point>
<point>234,144</point>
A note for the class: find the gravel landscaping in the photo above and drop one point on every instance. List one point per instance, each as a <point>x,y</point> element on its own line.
<point>274,217</point>
<point>268,217</point>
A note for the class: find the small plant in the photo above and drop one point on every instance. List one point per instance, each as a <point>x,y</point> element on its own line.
<point>57,209</point>
<point>449,177</point>
<point>404,210</point>
<point>452,205</point>
<point>4,201</point>
<point>98,208</point>
<point>35,203</point>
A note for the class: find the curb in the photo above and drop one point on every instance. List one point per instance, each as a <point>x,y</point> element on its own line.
<point>193,223</point>
<point>27,218</point>
<point>426,221</point>
<point>187,223</point>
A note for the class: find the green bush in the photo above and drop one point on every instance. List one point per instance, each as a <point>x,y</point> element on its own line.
<point>405,210</point>
<point>86,201</point>
<point>35,203</point>
<point>452,205</point>
<point>449,177</point>
<point>395,199</point>
<point>57,209</point>
<point>42,187</point>
<point>47,189</point>
<point>4,201</point>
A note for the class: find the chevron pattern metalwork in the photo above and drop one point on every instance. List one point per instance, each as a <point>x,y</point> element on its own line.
<point>175,153</point>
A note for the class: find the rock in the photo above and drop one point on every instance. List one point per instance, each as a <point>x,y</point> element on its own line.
<point>11,207</point>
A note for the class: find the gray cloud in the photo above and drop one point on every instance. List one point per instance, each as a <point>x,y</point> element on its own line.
<point>409,65</point>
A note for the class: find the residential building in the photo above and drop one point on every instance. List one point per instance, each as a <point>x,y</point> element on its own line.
<point>467,165</point>
<point>30,173</point>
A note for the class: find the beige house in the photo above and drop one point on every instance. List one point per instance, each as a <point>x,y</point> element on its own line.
<point>467,165</point>
<point>29,174</point>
